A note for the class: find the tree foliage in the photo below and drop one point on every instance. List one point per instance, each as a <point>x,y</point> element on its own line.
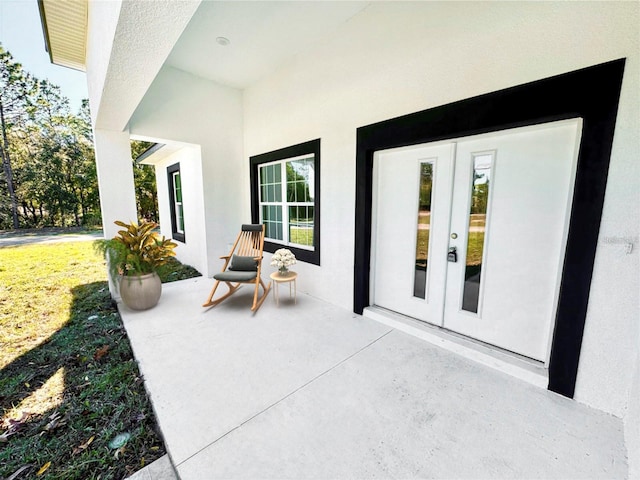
<point>144,178</point>
<point>49,173</point>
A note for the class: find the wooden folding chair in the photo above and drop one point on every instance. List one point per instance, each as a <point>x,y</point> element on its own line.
<point>242,265</point>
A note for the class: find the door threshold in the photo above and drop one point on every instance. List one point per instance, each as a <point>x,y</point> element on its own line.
<point>524,368</point>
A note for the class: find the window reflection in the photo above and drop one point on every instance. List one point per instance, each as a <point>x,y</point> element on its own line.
<point>423,230</point>
<point>300,196</point>
<point>475,238</point>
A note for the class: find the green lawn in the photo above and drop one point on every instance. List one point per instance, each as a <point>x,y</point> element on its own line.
<point>68,381</point>
<point>302,236</point>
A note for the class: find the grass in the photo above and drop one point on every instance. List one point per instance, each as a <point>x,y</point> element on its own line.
<point>68,381</point>
<point>301,236</point>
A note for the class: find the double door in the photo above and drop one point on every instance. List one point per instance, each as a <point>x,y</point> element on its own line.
<point>470,234</point>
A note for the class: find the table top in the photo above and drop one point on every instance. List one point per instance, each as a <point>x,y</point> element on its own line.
<point>287,278</point>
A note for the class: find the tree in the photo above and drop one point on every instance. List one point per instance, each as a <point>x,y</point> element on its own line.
<point>57,175</point>
<point>426,184</point>
<point>49,175</point>
<point>15,89</point>
<point>144,178</point>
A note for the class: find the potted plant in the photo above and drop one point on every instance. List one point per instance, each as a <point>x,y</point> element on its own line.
<point>133,257</point>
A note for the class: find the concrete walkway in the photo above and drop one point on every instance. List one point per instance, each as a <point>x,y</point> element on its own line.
<point>314,391</point>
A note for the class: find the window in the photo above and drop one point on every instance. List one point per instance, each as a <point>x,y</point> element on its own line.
<point>285,191</point>
<point>175,201</point>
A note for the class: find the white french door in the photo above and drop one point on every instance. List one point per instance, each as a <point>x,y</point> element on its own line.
<point>470,234</point>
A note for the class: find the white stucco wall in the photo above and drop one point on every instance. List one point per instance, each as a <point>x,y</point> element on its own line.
<point>102,22</point>
<point>398,58</point>
<point>127,44</point>
<point>193,251</point>
<point>184,108</point>
<point>115,177</point>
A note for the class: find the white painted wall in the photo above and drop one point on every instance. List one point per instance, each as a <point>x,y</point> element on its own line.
<point>115,179</point>
<point>184,108</point>
<point>397,58</point>
<point>194,250</point>
<point>102,22</point>
<point>127,45</point>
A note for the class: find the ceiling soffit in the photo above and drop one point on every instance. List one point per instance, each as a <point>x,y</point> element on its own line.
<point>65,31</point>
<point>262,37</point>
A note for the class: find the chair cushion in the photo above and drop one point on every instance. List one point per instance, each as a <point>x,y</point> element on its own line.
<point>230,276</point>
<point>252,228</point>
<point>243,264</point>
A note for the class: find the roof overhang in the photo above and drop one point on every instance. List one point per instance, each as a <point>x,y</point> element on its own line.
<point>64,24</point>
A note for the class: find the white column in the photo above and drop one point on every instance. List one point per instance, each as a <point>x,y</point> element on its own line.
<point>115,179</point>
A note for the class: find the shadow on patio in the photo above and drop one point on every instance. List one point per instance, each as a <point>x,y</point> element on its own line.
<point>315,391</point>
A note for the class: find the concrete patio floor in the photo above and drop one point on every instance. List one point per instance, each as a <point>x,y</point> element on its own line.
<point>310,390</point>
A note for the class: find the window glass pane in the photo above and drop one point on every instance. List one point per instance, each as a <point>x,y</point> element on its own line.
<point>180,219</point>
<point>277,192</point>
<point>300,174</point>
<point>301,225</point>
<point>272,219</point>
<point>423,230</point>
<point>291,192</point>
<point>475,238</point>
<point>278,176</point>
<point>177,186</point>
<point>311,180</point>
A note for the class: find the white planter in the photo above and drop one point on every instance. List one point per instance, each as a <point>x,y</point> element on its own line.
<point>141,292</point>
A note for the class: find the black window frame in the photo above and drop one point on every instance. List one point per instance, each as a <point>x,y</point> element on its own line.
<point>175,234</point>
<point>306,148</point>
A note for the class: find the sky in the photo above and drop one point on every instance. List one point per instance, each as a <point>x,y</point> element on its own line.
<point>21,34</point>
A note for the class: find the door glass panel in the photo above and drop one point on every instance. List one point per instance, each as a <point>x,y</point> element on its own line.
<point>423,229</point>
<point>475,238</point>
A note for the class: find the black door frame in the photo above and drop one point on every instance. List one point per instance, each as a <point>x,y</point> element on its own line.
<point>591,94</point>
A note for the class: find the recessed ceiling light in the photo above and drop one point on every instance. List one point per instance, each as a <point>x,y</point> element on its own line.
<point>224,41</point>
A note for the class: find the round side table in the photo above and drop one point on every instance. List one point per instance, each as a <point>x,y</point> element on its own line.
<point>289,278</point>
